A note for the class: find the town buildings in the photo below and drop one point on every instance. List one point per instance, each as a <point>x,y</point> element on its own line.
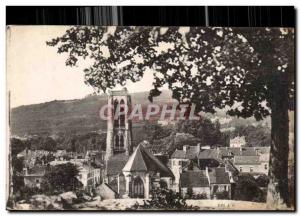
<point>125,171</point>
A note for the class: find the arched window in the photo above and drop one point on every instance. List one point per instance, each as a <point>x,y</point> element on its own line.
<point>116,112</point>
<point>137,188</point>
<point>122,114</point>
<point>117,142</point>
<point>121,141</point>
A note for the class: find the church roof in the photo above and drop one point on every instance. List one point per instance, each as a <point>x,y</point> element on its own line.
<point>144,161</point>
<point>116,163</point>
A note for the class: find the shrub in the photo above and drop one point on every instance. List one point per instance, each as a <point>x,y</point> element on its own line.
<point>200,196</point>
<point>222,194</point>
<point>166,199</point>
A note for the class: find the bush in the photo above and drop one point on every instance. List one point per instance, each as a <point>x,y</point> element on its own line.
<point>247,189</point>
<point>262,181</point>
<point>26,193</point>
<point>200,196</point>
<point>189,193</point>
<point>222,195</point>
<point>166,199</point>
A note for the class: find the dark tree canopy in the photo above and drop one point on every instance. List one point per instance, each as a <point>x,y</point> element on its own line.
<point>61,178</point>
<point>210,67</point>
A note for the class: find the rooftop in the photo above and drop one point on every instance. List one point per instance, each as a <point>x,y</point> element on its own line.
<point>244,160</point>
<point>142,160</point>
<point>116,163</point>
<point>194,179</point>
<point>218,176</point>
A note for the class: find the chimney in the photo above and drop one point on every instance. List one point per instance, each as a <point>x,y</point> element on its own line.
<point>207,175</point>
<point>199,147</point>
<point>185,148</point>
<point>226,168</point>
<point>25,170</point>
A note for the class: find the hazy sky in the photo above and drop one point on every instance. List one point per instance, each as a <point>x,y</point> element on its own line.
<point>36,73</point>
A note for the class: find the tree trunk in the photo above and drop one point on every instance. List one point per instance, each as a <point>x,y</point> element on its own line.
<point>278,194</point>
<point>291,161</point>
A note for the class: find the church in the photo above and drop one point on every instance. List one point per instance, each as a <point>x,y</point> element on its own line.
<point>130,172</point>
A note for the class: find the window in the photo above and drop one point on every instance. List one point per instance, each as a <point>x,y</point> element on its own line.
<point>241,169</point>
<point>251,169</point>
<point>122,113</point>
<point>266,166</point>
<point>37,180</point>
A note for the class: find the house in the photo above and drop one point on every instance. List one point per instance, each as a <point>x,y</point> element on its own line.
<point>89,176</point>
<point>253,160</point>
<point>180,159</point>
<point>197,181</point>
<point>211,182</point>
<point>220,180</point>
<point>33,177</point>
<point>238,142</point>
<point>143,171</point>
<point>208,158</point>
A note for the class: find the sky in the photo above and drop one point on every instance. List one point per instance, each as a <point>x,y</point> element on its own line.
<point>36,73</point>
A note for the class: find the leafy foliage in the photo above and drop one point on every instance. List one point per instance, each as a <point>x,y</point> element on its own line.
<point>254,136</point>
<point>247,189</point>
<point>211,67</point>
<point>166,199</point>
<point>154,131</point>
<point>61,178</point>
<point>208,132</point>
<point>222,195</point>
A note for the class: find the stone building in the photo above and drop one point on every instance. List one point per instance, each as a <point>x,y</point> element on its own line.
<point>119,127</point>
<point>143,171</point>
<point>118,140</point>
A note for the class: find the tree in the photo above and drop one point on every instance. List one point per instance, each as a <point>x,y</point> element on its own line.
<point>189,192</point>
<point>247,189</point>
<point>254,136</point>
<point>163,198</point>
<point>249,71</point>
<point>61,178</point>
<point>208,132</point>
<point>154,131</point>
<point>49,144</point>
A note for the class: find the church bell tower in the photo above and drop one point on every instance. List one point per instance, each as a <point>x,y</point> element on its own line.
<point>119,127</point>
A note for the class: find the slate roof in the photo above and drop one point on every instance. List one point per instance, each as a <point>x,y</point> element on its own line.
<point>194,179</point>
<point>179,154</point>
<point>192,152</point>
<point>243,160</point>
<point>208,154</point>
<point>142,160</point>
<point>223,151</point>
<point>116,163</point>
<point>218,175</point>
<point>248,151</point>
<point>244,151</point>
<point>36,171</point>
<point>108,186</point>
<point>114,185</point>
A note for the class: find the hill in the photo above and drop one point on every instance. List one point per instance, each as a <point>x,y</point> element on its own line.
<point>81,116</point>
<point>77,116</point>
